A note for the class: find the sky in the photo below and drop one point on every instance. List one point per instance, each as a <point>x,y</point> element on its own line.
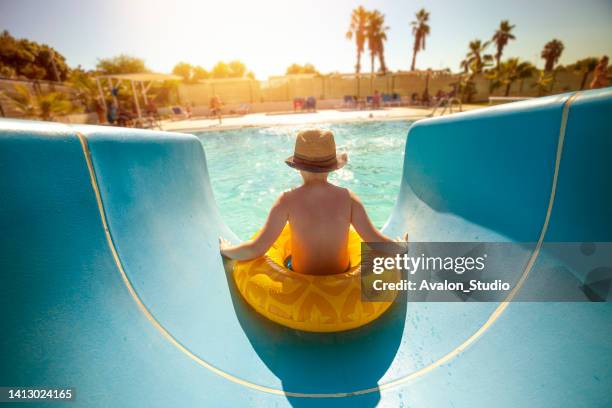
<point>269,35</point>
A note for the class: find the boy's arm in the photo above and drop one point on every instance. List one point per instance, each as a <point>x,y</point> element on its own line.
<point>366,230</point>
<point>259,245</point>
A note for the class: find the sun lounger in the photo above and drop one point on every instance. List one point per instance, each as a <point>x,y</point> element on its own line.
<point>349,101</point>
<point>311,103</point>
<point>243,109</point>
<point>178,113</point>
<point>298,104</point>
<point>391,99</point>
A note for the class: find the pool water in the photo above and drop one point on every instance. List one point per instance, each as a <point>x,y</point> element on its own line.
<point>248,172</point>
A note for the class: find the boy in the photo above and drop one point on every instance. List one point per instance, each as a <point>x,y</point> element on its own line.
<point>318,212</point>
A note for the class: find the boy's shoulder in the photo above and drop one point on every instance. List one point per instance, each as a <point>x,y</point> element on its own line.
<point>301,190</point>
<point>333,187</point>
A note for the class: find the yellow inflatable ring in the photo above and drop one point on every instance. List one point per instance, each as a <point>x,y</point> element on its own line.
<point>314,303</point>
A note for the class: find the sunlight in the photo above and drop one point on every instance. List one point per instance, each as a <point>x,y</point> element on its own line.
<point>267,36</point>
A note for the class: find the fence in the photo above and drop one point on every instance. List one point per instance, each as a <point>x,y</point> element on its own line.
<point>336,86</point>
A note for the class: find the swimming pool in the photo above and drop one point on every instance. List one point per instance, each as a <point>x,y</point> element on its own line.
<point>248,171</point>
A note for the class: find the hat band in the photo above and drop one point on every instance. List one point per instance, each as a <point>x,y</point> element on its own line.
<point>319,159</point>
<point>316,162</point>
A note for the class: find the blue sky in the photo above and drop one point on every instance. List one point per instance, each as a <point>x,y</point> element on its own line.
<point>270,35</point>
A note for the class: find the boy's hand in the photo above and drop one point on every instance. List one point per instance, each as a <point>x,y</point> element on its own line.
<point>403,240</point>
<point>223,245</point>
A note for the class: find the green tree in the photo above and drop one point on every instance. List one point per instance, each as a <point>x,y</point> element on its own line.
<point>46,107</point>
<point>199,73</point>
<point>7,72</point>
<point>474,63</point>
<point>22,57</point>
<point>510,71</point>
<point>53,63</point>
<point>543,82</point>
<point>237,69</point>
<point>52,105</point>
<point>526,70</point>
<point>233,69</point>
<point>357,30</point>
<point>184,70</point>
<point>466,87</point>
<point>22,100</point>
<point>309,69</point>
<point>85,84</point>
<point>221,70</point>
<point>294,69</point>
<point>190,73</point>
<point>476,60</point>
<point>420,31</point>
<point>121,64</point>
<point>376,33</point>
<point>501,38</point>
<point>164,93</point>
<point>584,67</point>
<point>301,69</point>
<point>551,53</point>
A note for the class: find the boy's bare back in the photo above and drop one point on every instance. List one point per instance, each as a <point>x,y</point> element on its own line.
<point>319,214</point>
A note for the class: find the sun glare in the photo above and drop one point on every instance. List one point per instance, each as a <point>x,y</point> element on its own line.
<point>266,36</point>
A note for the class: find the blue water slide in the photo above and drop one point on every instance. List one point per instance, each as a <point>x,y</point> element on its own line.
<point>111,281</point>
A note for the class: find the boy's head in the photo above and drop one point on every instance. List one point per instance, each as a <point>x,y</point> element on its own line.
<point>315,152</point>
<point>308,176</point>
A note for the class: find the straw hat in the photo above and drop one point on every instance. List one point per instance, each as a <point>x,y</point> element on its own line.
<point>315,152</point>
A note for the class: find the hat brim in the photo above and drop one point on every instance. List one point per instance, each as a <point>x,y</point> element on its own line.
<point>341,160</point>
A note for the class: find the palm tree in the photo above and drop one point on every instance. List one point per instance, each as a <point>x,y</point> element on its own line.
<point>512,70</point>
<point>377,35</point>
<point>475,60</point>
<point>543,83</point>
<point>551,53</point>
<point>52,105</point>
<point>474,63</point>
<point>585,67</point>
<point>526,70</point>
<point>22,101</point>
<point>85,84</point>
<point>46,106</point>
<point>420,30</point>
<point>501,38</point>
<point>465,87</point>
<point>357,29</point>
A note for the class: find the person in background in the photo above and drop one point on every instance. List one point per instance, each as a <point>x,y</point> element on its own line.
<point>111,113</point>
<point>600,75</point>
<point>215,107</point>
<point>376,99</point>
<point>100,111</point>
<point>425,98</point>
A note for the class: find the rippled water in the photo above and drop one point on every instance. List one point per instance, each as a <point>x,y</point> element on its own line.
<point>248,172</point>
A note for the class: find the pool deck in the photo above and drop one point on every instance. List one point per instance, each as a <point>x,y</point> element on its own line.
<point>296,119</point>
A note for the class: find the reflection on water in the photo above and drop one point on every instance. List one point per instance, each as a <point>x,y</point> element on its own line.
<point>248,172</point>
